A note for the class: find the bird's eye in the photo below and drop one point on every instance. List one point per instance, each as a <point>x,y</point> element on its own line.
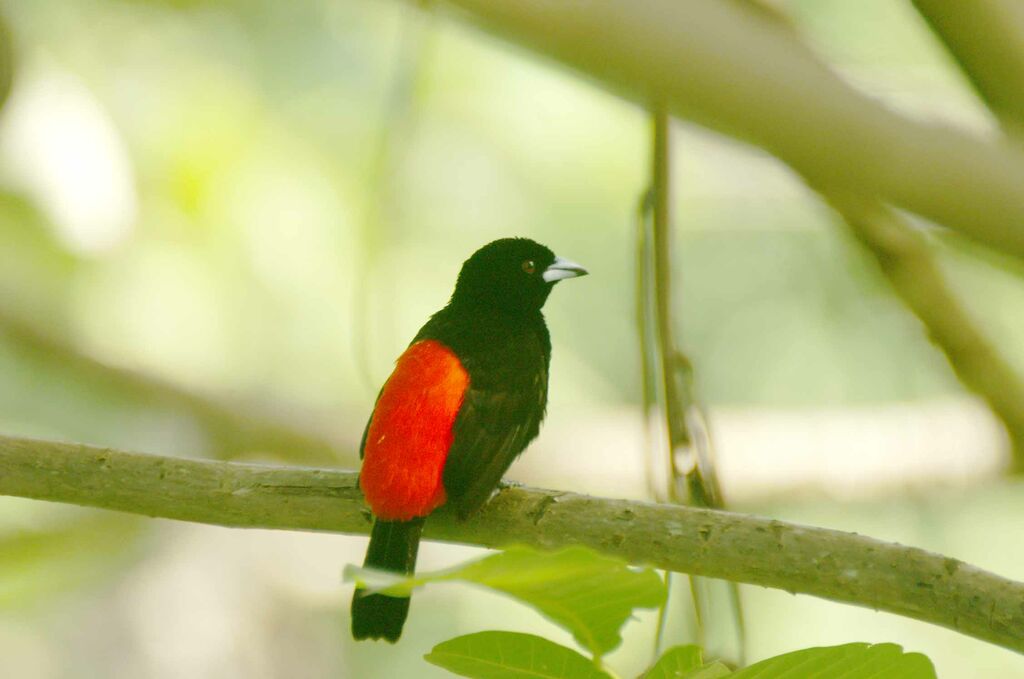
<point>529,266</point>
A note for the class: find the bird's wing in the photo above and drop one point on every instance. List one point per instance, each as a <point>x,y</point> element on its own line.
<point>497,420</point>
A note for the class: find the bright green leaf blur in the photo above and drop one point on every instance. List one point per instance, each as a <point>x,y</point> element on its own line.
<point>84,549</point>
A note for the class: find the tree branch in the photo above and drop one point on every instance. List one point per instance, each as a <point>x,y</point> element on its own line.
<point>825,563</point>
<point>907,262</point>
<point>231,431</point>
<point>986,37</point>
<point>736,71</point>
<point>683,470</point>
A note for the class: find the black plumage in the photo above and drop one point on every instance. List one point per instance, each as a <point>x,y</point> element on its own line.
<point>494,325</point>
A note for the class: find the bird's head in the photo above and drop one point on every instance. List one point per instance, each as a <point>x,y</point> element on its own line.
<point>512,275</point>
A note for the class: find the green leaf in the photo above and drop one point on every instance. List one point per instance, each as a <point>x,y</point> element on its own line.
<point>511,655</point>
<point>676,663</point>
<point>714,670</point>
<point>686,662</point>
<point>849,661</point>
<point>589,594</point>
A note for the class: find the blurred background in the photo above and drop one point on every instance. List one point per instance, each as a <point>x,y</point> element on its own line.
<point>220,221</point>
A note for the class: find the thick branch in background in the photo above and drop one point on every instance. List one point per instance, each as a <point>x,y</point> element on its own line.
<point>986,37</point>
<point>232,432</point>
<point>733,69</point>
<point>6,61</point>
<point>826,563</point>
<point>906,260</point>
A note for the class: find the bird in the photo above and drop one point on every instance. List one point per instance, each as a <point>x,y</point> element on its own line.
<point>465,398</point>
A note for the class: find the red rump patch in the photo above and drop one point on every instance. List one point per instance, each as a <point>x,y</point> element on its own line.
<point>411,431</point>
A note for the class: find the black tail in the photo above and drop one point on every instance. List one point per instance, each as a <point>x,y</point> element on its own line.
<point>393,546</point>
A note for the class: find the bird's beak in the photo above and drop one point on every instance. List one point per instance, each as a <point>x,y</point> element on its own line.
<point>561,269</point>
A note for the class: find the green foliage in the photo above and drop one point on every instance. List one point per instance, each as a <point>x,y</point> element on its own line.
<point>678,661</point>
<point>511,655</point>
<point>507,655</point>
<point>712,670</point>
<point>560,585</point>
<point>849,661</point>
<point>592,596</point>
<point>685,662</point>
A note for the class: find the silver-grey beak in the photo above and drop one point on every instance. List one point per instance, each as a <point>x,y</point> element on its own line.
<point>561,269</point>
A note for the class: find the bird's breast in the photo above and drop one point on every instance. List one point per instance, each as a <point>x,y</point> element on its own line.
<point>410,432</point>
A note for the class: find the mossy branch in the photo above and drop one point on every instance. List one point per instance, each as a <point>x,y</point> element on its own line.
<point>826,563</point>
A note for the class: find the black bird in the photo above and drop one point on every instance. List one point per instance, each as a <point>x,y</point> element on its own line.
<point>463,402</point>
